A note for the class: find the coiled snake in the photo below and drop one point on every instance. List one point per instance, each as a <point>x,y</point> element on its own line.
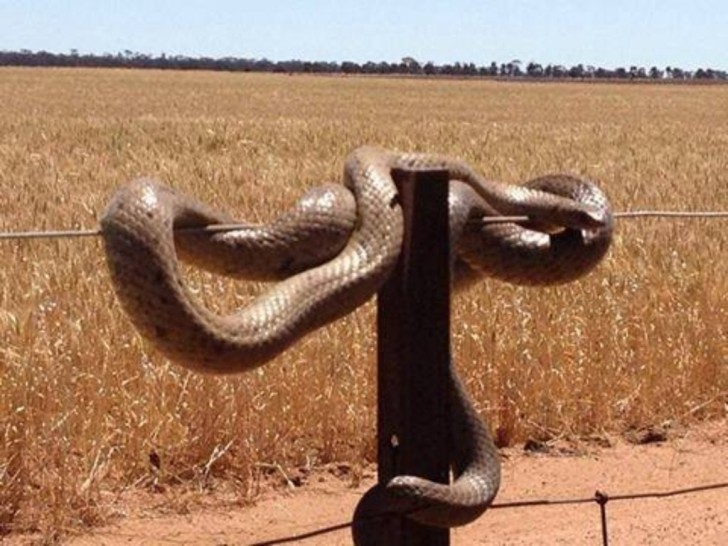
<point>330,253</point>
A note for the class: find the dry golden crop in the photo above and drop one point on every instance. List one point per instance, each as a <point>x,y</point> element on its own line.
<point>84,401</point>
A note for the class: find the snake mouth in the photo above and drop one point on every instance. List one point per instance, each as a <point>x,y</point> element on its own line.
<point>574,216</point>
<point>587,220</point>
<point>594,217</point>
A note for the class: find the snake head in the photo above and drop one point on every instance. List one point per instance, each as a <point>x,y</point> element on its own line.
<point>589,217</point>
<point>571,202</point>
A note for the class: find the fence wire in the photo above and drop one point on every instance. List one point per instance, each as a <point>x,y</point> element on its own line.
<point>601,498</point>
<point>217,228</point>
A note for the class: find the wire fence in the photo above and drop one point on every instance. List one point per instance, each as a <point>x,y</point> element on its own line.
<point>217,228</point>
<point>601,498</point>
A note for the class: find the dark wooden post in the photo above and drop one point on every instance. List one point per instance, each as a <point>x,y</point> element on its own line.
<point>413,328</point>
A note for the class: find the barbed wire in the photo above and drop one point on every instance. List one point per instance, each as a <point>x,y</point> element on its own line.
<point>218,228</point>
<point>599,497</point>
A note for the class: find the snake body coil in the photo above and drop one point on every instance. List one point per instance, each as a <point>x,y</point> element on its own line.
<point>330,254</point>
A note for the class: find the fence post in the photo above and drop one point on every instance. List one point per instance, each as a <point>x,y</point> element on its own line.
<point>413,329</point>
<point>602,500</point>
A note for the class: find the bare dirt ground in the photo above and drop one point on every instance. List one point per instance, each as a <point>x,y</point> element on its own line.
<point>687,458</point>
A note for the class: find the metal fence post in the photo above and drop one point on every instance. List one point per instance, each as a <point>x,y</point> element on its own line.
<point>413,328</point>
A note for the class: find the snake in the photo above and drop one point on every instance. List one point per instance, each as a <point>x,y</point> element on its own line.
<point>327,255</point>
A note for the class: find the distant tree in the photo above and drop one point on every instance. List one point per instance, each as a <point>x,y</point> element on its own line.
<point>384,67</point>
<point>130,59</point>
<point>534,70</point>
<point>511,69</point>
<point>678,73</point>
<point>577,71</point>
<point>411,65</point>
<point>430,69</point>
<point>704,74</point>
<point>348,67</point>
<point>559,71</point>
<point>369,67</point>
<point>470,69</point>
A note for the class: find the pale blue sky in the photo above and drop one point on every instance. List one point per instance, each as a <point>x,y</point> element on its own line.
<point>609,33</point>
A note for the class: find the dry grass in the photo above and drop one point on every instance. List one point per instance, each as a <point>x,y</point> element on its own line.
<point>83,401</point>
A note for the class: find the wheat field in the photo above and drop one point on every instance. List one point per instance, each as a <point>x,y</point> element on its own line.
<point>84,401</point>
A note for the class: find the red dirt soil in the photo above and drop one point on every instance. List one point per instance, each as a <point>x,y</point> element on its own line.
<point>694,457</point>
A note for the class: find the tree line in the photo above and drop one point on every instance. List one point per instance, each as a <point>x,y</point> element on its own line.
<point>407,66</point>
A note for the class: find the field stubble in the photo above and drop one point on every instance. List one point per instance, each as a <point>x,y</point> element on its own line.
<point>85,404</point>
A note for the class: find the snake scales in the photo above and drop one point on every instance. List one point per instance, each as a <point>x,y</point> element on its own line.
<point>330,253</point>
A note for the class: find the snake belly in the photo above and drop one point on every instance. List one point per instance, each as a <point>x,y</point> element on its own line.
<point>328,255</point>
